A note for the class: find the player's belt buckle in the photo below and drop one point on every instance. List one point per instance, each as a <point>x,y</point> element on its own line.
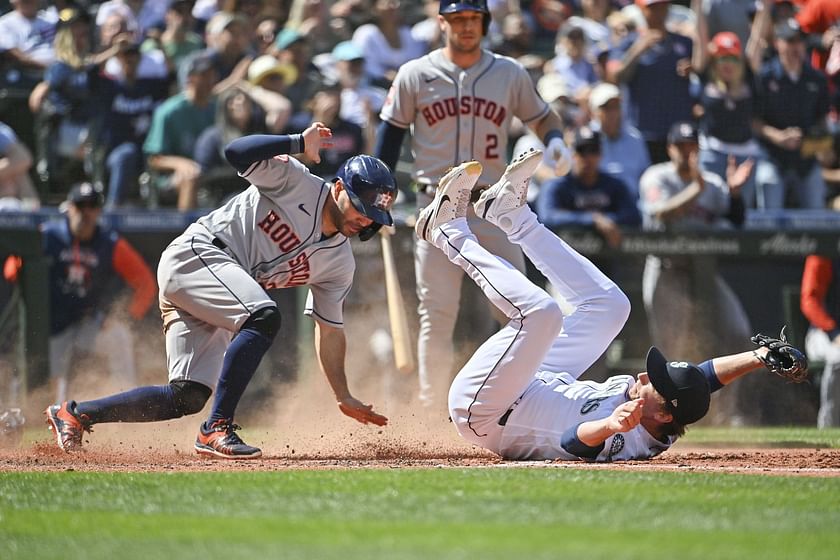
<point>219,243</point>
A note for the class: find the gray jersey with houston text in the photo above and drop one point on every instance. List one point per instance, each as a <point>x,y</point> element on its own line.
<point>460,114</point>
<point>273,230</point>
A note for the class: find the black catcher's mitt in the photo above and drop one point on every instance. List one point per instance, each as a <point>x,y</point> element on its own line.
<point>783,359</point>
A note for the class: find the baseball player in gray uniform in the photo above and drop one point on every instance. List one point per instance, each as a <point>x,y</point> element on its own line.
<point>675,196</point>
<point>289,228</point>
<point>519,394</point>
<point>458,102</point>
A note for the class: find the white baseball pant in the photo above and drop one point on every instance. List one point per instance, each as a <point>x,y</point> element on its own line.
<point>537,336</point>
<point>438,285</point>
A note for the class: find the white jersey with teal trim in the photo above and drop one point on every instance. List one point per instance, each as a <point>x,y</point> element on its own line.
<point>458,114</point>
<point>273,230</point>
<point>555,402</point>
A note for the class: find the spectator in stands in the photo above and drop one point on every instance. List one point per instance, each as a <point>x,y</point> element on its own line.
<point>427,31</point>
<point>819,303</point>
<point>624,154</point>
<point>830,162</point>
<point>650,62</point>
<point>552,89</point>
<point>229,48</point>
<point>65,102</point>
<point>267,80</point>
<point>26,49</point>
<point>153,62</point>
<point>176,125</point>
<point>791,109</point>
<point>178,40</point>
<point>127,106</point>
<point>571,61</point>
<point>249,11</point>
<point>142,15</point>
<point>588,197</point>
<point>268,25</point>
<point>387,43</point>
<point>516,38</point>
<point>86,259</point>
<point>593,22</point>
<point>731,16</point>
<point>823,17</point>
<point>361,101</point>
<point>726,101</point>
<point>678,196</point>
<point>348,138</point>
<point>621,25</point>
<point>236,115</point>
<point>16,189</point>
<point>293,48</point>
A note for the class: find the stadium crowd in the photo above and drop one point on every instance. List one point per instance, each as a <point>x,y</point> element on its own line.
<point>680,115</point>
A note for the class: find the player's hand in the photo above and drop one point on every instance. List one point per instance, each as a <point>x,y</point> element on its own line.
<point>361,412</point>
<point>626,416</point>
<point>316,138</point>
<point>558,157</point>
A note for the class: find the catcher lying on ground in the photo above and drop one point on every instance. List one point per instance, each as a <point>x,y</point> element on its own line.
<point>519,394</point>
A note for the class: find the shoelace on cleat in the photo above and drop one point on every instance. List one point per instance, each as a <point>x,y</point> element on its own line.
<point>231,437</point>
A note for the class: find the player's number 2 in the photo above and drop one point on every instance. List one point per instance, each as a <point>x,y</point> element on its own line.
<point>491,150</point>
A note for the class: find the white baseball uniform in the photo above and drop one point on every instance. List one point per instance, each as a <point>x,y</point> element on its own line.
<point>456,115</point>
<point>214,275</point>
<point>518,395</point>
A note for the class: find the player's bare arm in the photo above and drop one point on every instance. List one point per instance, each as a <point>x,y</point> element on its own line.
<point>331,347</point>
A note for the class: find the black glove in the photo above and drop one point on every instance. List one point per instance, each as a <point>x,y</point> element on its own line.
<point>783,359</point>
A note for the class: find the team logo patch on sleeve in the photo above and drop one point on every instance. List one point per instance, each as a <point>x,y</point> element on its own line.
<point>617,445</point>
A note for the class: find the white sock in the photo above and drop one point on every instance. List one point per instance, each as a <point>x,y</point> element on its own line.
<point>517,222</point>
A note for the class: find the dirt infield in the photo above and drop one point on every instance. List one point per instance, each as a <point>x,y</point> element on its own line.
<point>46,457</point>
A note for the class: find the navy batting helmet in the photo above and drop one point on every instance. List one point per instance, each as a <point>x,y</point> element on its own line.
<point>452,6</point>
<point>372,190</point>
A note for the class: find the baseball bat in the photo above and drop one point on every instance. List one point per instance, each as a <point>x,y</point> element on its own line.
<point>403,354</point>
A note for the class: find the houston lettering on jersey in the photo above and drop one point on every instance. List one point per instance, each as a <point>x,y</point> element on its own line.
<point>287,240</point>
<point>279,232</point>
<point>475,106</point>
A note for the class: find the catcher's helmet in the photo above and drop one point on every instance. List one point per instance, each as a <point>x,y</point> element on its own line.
<point>452,6</point>
<point>372,190</point>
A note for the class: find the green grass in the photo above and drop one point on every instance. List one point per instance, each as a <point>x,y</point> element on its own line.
<point>783,436</point>
<point>506,513</point>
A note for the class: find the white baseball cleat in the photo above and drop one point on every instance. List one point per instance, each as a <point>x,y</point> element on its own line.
<point>511,191</point>
<point>451,199</point>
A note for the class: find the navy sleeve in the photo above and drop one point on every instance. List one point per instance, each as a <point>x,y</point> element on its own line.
<point>555,207</point>
<point>708,370</point>
<point>244,152</point>
<point>388,144</point>
<point>570,442</point>
<point>626,210</point>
